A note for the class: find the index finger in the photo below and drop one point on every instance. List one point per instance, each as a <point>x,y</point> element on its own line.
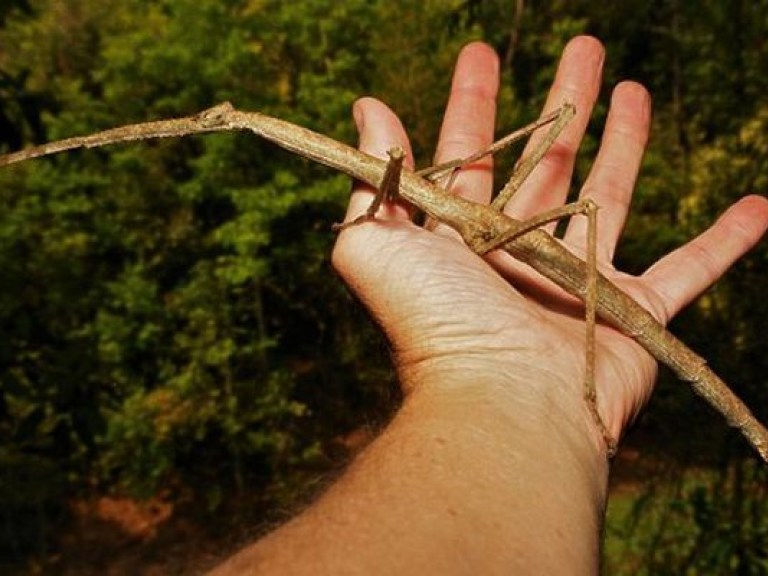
<point>469,121</point>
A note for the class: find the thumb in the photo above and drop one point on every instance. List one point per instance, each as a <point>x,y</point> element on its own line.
<point>379,130</point>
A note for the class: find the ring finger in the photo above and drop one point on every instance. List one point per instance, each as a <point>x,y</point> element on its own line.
<point>612,179</point>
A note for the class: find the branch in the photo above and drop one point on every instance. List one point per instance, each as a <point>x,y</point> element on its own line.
<point>477,225</point>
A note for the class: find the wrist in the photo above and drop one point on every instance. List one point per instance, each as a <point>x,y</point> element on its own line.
<point>521,456</point>
<point>513,400</point>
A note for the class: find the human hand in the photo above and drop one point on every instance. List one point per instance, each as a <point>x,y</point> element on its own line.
<point>454,319</point>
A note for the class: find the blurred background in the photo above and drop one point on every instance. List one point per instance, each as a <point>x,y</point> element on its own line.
<point>180,370</point>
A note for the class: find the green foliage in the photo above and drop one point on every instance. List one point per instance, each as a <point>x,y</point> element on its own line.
<point>168,315</point>
<point>157,330</point>
<point>712,522</point>
<point>732,167</point>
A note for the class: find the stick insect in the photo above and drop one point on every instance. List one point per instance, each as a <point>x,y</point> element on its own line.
<point>483,228</point>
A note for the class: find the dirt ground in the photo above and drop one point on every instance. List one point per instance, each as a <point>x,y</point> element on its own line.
<point>111,536</point>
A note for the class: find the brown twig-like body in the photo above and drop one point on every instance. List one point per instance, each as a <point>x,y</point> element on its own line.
<point>477,224</point>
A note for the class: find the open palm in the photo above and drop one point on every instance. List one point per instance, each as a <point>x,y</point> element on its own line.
<point>446,309</point>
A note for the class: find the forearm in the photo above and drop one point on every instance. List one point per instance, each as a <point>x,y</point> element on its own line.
<point>460,481</point>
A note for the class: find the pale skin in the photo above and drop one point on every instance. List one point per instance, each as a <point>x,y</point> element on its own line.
<point>493,465</point>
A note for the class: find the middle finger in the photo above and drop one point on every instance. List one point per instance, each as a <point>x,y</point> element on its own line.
<point>577,81</point>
